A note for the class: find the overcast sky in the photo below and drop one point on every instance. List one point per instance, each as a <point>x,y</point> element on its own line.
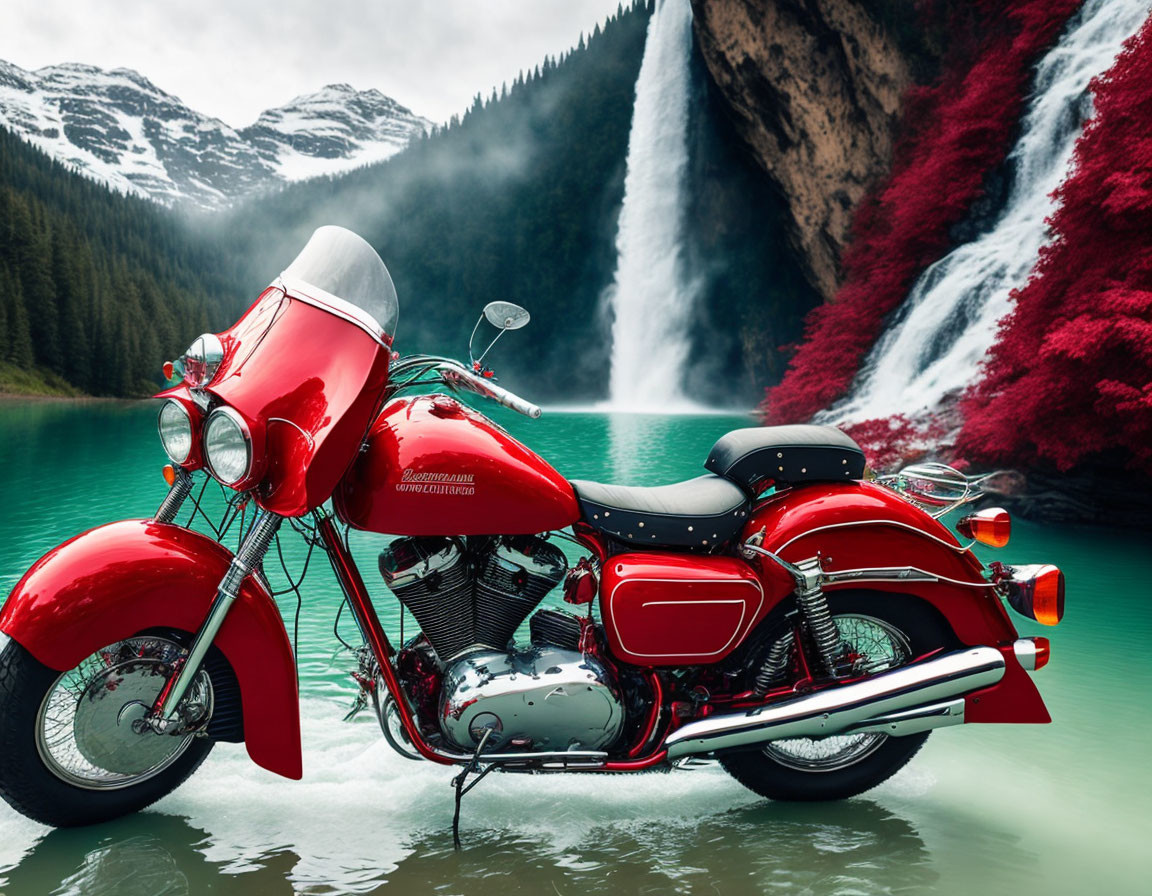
<point>235,58</point>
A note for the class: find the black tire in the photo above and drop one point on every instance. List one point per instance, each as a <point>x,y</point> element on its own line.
<point>32,788</point>
<point>760,772</point>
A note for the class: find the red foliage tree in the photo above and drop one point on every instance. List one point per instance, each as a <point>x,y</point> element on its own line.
<point>954,133</point>
<point>1070,377</point>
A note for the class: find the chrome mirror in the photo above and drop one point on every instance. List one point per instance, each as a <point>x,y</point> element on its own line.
<point>506,316</point>
<point>503,316</point>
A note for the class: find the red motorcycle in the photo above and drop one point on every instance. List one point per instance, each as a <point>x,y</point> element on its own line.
<point>781,614</point>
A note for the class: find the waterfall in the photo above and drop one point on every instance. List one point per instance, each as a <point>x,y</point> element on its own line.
<point>651,296</point>
<point>948,322</point>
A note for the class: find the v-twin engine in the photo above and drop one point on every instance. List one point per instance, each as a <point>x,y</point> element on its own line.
<point>471,593</point>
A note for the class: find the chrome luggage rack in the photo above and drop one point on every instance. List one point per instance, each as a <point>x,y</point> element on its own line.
<point>935,488</point>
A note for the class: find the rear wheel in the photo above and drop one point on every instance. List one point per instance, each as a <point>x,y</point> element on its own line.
<point>74,748</point>
<point>877,633</point>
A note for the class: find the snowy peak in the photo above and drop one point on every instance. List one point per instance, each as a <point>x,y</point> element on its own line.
<point>119,128</point>
<point>334,129</point>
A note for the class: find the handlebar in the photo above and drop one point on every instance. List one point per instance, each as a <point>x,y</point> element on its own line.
<point>455,373</point>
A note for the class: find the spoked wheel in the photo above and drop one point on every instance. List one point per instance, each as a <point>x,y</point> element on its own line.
<point>877,634</point>
<point>74,747</point>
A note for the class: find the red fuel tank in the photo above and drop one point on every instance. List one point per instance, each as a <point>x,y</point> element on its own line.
<point>433,466</point>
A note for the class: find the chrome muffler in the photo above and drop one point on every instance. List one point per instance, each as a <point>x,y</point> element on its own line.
<point>903,701</point>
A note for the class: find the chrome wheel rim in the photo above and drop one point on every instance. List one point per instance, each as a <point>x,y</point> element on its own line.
<point>872,645</point>
<point>88,730</point>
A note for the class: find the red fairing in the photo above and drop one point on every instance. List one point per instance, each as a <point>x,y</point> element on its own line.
<point>307,383</point>
<point>665,609</point>
<point>118,580</point>
<point>865,526</point>
<point>435,467</point>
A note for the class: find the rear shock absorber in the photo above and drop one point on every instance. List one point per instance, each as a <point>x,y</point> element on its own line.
<point>809,578</point>
<point>814,605</point>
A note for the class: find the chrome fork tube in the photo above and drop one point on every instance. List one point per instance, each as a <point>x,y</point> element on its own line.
<point>247,559</point>
<point>176,496</point>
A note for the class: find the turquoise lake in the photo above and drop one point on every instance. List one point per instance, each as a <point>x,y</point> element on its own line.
<point>1064,808</point>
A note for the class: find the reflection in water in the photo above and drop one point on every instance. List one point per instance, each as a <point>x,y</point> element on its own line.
<point>145,855</point>
<point>657,449</point>
<point>859,847</point>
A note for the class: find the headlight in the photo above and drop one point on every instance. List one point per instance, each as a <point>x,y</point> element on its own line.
<point>227,446</point>
<point>202,360</point>
<point>175,431</point>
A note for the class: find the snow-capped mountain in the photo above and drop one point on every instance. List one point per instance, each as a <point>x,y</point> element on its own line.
<point>117,127</point>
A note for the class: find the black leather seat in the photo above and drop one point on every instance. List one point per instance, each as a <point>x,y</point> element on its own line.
<point>755,456</point>
<point>699,513</point>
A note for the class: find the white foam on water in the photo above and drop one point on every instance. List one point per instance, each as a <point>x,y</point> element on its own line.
<point>651,296</point>
<point>359,808</point>
<point>948,322</point>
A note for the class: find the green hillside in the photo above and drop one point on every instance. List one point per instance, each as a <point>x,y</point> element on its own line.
<point>96,288</point>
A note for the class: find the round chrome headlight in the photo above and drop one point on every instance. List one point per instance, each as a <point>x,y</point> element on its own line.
<point>202,360</point>
<point>227,446</point>
<point>175,431</point>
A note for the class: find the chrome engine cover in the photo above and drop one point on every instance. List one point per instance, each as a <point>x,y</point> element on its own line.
<point>555,699</point>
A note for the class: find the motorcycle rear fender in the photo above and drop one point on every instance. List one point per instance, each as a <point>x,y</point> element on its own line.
<point>123,578</point>
<point>860,526</point>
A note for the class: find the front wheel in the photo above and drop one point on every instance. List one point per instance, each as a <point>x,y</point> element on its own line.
<point>73,749</point>
<point>877,633</point>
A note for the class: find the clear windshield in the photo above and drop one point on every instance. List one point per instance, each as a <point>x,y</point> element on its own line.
<point>338,265</point>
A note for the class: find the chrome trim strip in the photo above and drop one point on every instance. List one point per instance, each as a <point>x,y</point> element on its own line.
<point>303,291</point>
<point>839,709</point>
<point>960,549</point>
<point>895,574</point>
<point>307,435</point>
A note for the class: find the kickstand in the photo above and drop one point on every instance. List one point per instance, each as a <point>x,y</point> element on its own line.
<point>458,783</point>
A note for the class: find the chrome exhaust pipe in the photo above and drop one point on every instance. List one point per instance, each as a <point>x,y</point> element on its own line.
<point>903,701</point>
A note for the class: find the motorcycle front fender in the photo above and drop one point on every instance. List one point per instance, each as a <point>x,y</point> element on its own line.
<point>117,580</point>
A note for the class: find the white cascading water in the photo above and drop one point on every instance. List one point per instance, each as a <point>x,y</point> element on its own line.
<point>948,322</point>
<point>651,296</point>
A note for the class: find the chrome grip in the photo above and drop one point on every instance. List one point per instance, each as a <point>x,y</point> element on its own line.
<point>488,389</point>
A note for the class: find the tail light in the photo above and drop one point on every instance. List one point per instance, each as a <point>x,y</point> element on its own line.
<point>1037,592</point>
<point>992,527</point>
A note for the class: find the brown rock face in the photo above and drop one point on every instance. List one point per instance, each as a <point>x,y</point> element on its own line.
<point>814,87</point>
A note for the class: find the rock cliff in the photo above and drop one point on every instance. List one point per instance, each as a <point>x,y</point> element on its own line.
<point>814,88</point>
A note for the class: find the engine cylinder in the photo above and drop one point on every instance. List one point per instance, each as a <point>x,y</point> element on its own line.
<point>430,576</point>
<point>471,594</point>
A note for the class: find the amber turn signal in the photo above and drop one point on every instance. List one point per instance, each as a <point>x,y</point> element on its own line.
<point>169,474</point>
<point>1037,592</point>
<point>992,527</point>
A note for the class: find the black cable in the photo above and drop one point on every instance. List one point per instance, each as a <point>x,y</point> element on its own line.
<point>294,587</point>
<point>336,625</point>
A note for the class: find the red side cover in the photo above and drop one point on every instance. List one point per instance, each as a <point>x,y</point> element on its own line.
<point>666,609</point>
